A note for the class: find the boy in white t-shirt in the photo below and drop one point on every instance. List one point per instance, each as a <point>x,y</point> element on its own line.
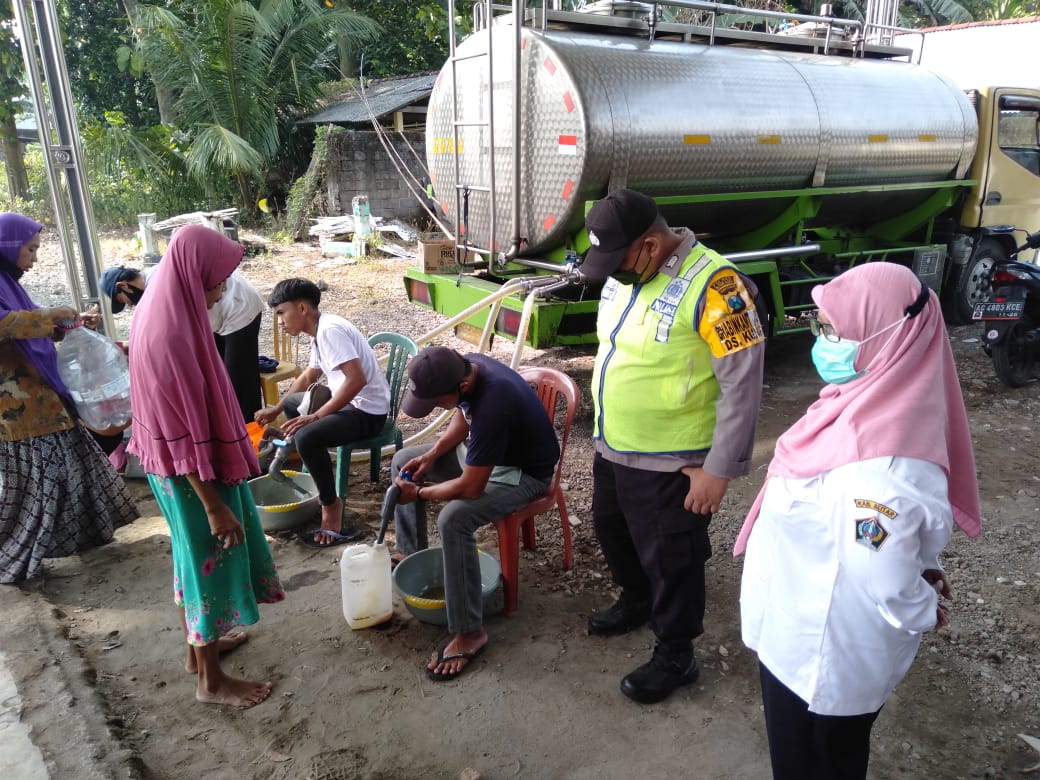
<point>357,409</point>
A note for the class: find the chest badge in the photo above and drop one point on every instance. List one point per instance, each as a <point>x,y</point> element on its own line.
<point>871,533</point>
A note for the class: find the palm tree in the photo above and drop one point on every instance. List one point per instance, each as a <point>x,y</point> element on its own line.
<point>241,74</point>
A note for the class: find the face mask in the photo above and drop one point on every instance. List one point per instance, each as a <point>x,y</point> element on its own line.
<point>627,278</point>
<point>835,361</point>
<point>134,294</point>
<point>633,276</point>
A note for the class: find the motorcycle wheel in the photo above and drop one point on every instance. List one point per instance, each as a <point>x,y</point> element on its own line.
<point>1014,358</point>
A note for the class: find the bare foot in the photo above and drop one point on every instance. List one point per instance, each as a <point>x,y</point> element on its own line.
<point>461,645</point>
<point>225,644</point>
<point>331,520</point>
<point>237,693</point>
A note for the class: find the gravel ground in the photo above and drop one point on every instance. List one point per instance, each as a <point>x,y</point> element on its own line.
<point>975,686</point>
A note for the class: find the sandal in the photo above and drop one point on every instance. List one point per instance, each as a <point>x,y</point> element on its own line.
<point>343,536</point>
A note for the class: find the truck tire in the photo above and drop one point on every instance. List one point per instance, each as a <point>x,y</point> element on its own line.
<point>1014,357</point>
<point>972,285</point>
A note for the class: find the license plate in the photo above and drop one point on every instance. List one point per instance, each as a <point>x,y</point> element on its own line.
<point>998,310</point>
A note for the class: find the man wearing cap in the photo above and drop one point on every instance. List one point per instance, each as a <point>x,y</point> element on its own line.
<point>497,454</point>
<point>676,384</point>
<point>235,320</point>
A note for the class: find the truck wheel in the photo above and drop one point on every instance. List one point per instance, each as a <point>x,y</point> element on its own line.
<point>1014,358</point>
<point>972,285</point>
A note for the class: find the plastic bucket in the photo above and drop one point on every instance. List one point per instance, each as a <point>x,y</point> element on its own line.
<point>422,573</point>
<point>279,505</point>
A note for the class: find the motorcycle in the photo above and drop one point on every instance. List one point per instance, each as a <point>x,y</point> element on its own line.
<point>1011,317</point>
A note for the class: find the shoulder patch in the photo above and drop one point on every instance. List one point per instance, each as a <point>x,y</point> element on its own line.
<point>729,322</point>
<point>871,533</point>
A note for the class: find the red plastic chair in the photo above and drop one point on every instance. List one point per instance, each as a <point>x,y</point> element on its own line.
<point>550,385</point>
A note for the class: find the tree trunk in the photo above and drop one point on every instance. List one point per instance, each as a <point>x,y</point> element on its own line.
<point>14,160</point>
<point>348,65</point>
<point>164,98</point>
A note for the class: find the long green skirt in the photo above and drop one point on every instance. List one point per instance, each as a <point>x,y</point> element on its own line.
<point>219,589</point>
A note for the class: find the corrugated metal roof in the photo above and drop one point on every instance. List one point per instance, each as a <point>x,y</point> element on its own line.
<point>384,96</point>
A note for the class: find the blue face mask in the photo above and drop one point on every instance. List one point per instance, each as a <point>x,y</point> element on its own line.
<point>835,360</point>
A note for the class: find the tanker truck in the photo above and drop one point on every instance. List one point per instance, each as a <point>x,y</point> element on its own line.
<point>798,147</point>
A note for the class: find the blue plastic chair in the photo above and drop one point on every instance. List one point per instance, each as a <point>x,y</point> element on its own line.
<point>402,349</point>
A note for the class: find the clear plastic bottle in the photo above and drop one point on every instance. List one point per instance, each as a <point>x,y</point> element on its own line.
<point>97,374</point>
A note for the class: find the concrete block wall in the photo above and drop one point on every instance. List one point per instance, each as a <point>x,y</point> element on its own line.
<point>359,165</point>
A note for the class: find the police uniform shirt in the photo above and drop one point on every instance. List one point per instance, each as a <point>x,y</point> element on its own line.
<point>739,374</point>
<point>832,597</point>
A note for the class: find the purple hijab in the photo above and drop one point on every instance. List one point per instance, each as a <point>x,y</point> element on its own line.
<point>15,231</point>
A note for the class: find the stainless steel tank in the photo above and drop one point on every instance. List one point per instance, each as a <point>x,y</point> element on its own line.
<point>672,118</point>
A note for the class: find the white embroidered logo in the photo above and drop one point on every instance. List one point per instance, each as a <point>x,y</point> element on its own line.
<point>593,239</point>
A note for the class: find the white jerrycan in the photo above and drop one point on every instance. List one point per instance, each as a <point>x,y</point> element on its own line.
<point>365,581</point>
<point>364,574</point>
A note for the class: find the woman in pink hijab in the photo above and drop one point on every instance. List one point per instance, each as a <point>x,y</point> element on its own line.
<point>841,571</point>
<point>190,438</point>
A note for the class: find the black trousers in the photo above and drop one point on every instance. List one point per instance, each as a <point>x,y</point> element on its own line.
<point>807,746</point>
<point>241,354</point>
<point>314,440</point>
<point>655,548</point>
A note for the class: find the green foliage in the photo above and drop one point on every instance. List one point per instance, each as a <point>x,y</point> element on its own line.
<point>243,74</point>
<point>130,171</point>
<point>420,36</point>
<point>304,195</point>
<point>1006,9</point>
<point>37,203</point>
<point>93,31</point>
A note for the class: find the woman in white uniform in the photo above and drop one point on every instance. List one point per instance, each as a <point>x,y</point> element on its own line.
<point>841,572</point>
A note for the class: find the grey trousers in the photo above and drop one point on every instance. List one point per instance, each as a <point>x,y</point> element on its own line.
<point>457,522</point>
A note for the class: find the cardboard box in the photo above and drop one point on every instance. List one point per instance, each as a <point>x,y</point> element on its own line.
<point>437,256</point>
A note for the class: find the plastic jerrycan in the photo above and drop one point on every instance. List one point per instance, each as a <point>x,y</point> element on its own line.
<point>365,581</point>
<point>365,574</point>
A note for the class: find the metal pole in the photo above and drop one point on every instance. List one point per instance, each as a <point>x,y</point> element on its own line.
<point>40,36</point>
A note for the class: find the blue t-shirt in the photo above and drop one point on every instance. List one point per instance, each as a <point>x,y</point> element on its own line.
<point>508,425</point>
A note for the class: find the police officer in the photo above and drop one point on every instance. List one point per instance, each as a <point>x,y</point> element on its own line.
<point>677,385</point>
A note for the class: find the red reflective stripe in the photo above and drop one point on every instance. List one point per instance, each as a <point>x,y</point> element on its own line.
<point>549,222</point>
<point>568,101</point>
<point>550,66</point>
<point>568,188</point>
<point>568,140</point>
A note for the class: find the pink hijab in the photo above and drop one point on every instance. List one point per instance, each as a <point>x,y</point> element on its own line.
<point>186,418</point>
<point>908,403</point>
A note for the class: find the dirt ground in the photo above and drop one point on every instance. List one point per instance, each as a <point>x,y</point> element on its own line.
<point>543,701</point>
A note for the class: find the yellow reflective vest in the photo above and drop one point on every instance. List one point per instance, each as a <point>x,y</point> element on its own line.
<point>653,385</point>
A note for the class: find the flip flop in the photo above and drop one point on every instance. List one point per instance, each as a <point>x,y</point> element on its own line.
<point>343,536</point>
<point>441,658</point>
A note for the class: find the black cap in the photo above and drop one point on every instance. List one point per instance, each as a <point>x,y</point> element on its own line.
<point>110,278</point>
<point>434,372</point>
<point>613,224</point>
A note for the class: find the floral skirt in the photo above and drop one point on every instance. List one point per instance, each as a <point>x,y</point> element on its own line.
<point>59,495</point>
<point>218,589</point>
